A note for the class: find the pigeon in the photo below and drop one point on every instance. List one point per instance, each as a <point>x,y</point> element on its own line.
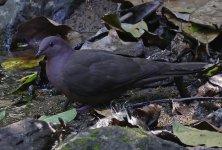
<point>98,76</point>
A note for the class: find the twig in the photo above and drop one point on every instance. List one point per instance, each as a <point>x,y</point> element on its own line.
<point>187,99</point>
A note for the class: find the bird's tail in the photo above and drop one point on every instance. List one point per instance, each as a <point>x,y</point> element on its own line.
<point>186,68</point>
<point>156,71</point>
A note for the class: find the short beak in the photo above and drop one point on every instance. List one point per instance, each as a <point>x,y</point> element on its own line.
<point>39,53</point>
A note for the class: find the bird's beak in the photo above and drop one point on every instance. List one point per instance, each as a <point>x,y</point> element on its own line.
<point>39,53</point>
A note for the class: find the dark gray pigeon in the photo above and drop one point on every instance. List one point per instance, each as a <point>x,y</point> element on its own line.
<point>98,76</point>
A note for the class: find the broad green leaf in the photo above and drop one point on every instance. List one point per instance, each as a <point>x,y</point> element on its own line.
<point>20,63</point>
<point>26,82</point>
<point>195,137</point>
<point>2,115</point>
<point>66,116</point>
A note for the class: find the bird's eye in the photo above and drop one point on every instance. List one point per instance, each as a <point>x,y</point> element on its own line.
<point>51,44</point>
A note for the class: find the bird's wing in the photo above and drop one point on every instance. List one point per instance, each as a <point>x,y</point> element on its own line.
<point>92,72</point>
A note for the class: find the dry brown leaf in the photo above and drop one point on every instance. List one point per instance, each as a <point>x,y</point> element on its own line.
<point>34,30</point>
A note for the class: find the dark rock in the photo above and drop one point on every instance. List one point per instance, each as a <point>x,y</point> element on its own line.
<point>26,134</point>
<point>117,138</point>
<point>2,2</point>
<point>15,12</point>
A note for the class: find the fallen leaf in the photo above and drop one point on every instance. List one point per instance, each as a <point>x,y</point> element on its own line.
<point>26,82</point>
<point>34,30</point>
<point>104,112</point>
<point>21,63</point>
<point>123,29</point>
<point>187,6</point>
<point>215,118</point>
<point>66,116</point>
<point>204,125</point>
<point>194,137</point>
<point>2,115</point>
<point>200,33</point>
<point>146,117</point>
<point>209,15</point>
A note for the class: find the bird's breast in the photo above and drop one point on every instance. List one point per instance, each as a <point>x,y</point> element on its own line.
<point>54,73</point>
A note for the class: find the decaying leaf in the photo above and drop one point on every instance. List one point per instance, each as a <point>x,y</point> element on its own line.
<point>167,135</point>
<point>185,110</point>
<point>66,116</point>
<point>146,117</point>
<point>112,42</point>
<point>200,33</point>
<point>215,118</point>
<point>26,82</point>
<point>187,6</point>
<point>212,87</point>
<point>194,137</point>
<point>154,39</point>
<point>104,112</point>
<point>34,30</point>
<point>21,63</point>
<point>209,15</point>
<point>205,125</point>
<point>135,31</point>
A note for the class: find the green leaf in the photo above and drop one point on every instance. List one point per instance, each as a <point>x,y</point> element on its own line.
<point>195,137</point>
<point>66,116</point>
<point>27,81</point>
<point>113,21</point>
<point>21,63</point>
<point>137,29</point>
<point>2,115</point>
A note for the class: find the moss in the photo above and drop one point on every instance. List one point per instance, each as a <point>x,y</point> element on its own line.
<point>65,148</point>
<point>126,139</point>
<point>83,140</point>
<point>97,147</point>
<point>137,132</point>
<point>142,146</point>
<point>93,133</point>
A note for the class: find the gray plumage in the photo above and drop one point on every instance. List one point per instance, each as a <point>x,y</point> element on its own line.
<point>96,76</point>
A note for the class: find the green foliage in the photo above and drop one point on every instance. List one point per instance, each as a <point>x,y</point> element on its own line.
<point>66,116</point>
<point>2,115</point>
<point>195,137</point>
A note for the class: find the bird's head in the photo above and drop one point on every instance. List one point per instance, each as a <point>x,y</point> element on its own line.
<point>52,46</point>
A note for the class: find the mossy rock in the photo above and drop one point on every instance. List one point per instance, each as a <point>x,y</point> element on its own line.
<point>118,138</point>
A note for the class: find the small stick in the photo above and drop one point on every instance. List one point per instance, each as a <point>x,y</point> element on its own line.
<point>187,99</point>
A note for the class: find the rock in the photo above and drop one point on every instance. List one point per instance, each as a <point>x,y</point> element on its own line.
<point>14,12</point>
<point>26,134</point>
<point>117,138</point>
<point>2,2</point>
